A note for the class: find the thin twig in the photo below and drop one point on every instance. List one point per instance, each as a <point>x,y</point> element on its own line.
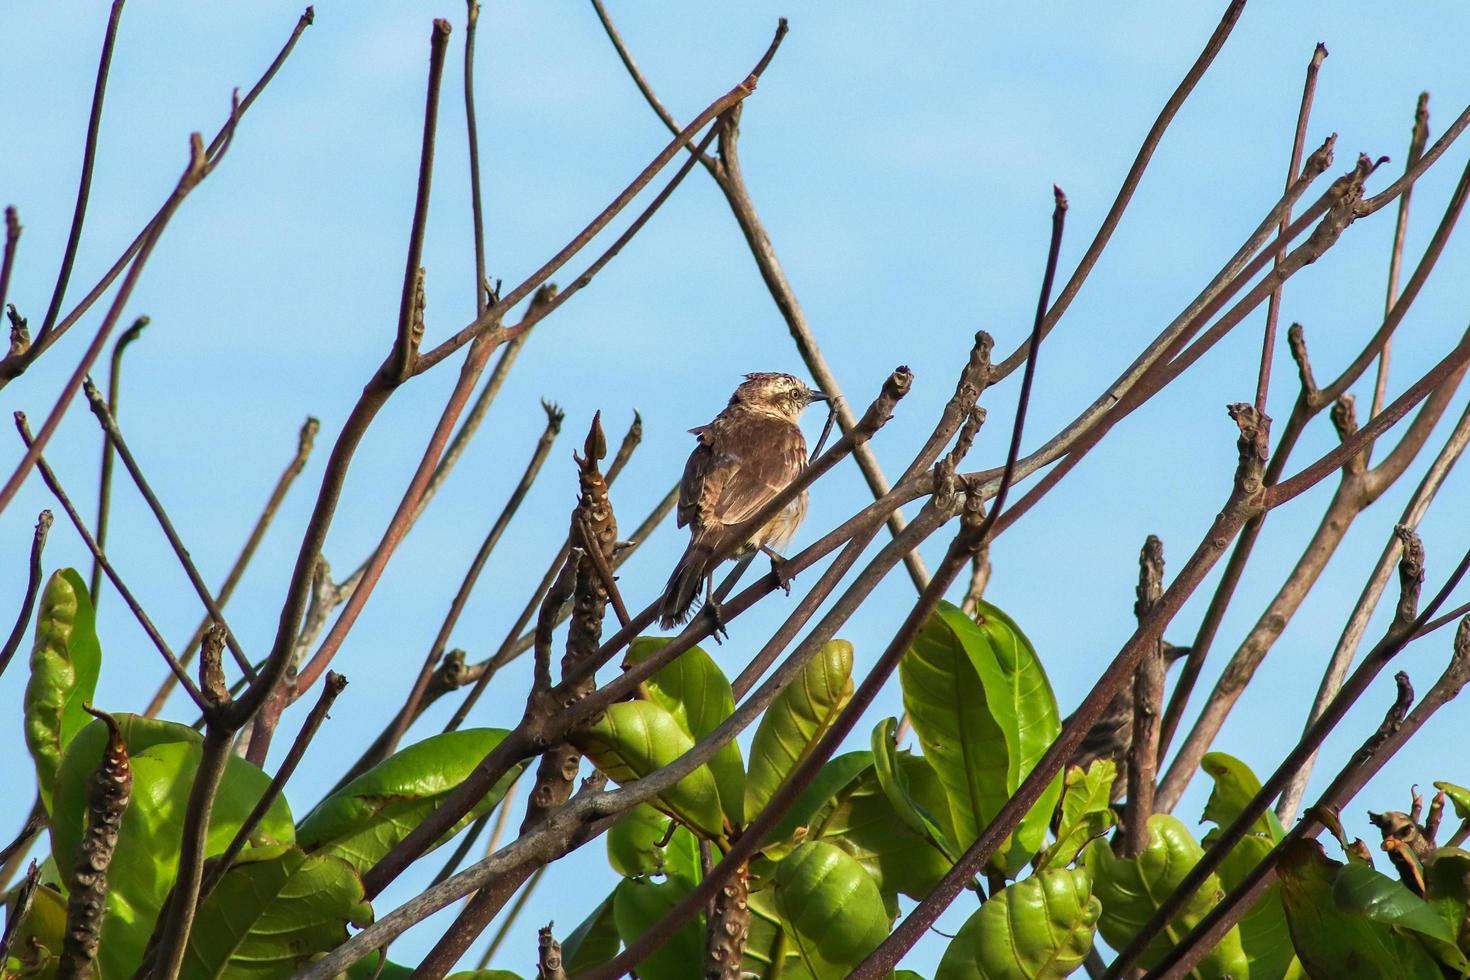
<point>304,442</point>
<point>1417,139</point>
<point>1273,305</point>
<point>114,435</point>
<point>33,586</point>
<point>510,918</point>
<point>84,184</point>
<point>472,20</point>
<point>104,483</point>
<point>409,711</point>
<point>49,477</point>
<point>18,345</point>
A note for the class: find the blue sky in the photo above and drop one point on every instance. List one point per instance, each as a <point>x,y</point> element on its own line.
<point>902,158</point>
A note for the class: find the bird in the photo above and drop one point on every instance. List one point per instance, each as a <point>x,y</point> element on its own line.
<point>748,454</point>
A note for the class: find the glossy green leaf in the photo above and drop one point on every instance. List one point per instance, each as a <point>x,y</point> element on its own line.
<point>635,738</point>
<point>1459,796</point>
<point>363,820</point>
<point>1040,928</point>
<point>592,943</point>
<point>164,758</point>
<point>1447,884</point>
<point>634,851</point>
<point>863,822</point>
<point>893,768</point>
<point>1359,888</point>
<point>694,690</point>
<point>639,905</point>
<point>984,713</point>
<point>1235,786</point>
<point>830,781</point>
<point>45,926</point>
<point>767,941</point>
<point>1338,943</point>
<point>796,719</point>
<point>1131,891</point>
<point>272,912</point>
<point>832,906</point>
<point>1086,811</point>
<point>65,661</point>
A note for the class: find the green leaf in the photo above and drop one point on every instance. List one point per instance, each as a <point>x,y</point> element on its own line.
<point>635,738</point>
<point>633,846</point>
<point>1235,786</point>
<point>1086,811</point>
<point>767,941</point>
<point>863,822</point>
<point>1459,796</point>
<point>694,690</point>
<point>893,768</point>
<point>1040,928</point>
<point>984,713</point>
<point>65,661</point>
<point>830,781</point>
<point>1131,891</point>
<point>165,758</point>
<point>363,820</point>
<point>832,906</point>
<point>1359,888</point>
<point>592,943</point>
<point>270,915</point>
<point>1447,884</point>
<point>639,905</point>
<point>45,924</point>
<point>796,719</point>
<point>1331,941</point>
<point>367,969</point>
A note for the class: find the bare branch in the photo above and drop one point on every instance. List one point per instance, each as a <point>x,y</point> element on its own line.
<point>33,586</point>
<point>104,484</point>
<point>1148,696</point>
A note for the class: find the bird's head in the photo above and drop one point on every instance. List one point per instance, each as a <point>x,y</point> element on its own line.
<point>778,394</point>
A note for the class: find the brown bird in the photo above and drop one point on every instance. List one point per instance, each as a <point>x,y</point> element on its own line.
<point>748,454</point>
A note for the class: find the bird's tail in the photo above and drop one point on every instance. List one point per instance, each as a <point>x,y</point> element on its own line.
<point>683,587</point>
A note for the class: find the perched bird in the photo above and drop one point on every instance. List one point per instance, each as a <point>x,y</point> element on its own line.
<point>748,454</point>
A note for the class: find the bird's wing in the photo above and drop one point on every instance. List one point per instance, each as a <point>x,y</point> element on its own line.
<point>691,486</point>
<point>751,459</point>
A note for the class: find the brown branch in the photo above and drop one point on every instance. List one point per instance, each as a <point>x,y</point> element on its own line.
<point>477,213</point>
<point>304,442</point>
<point>108,789</point>
<point>1381,746</point>
<point>511,915</point>
<point>28,603</point>
<point>54,485</point>
<point>84,184</point>
<point>1273,305</point>
<point>18,344</point>
<point>409,710</point>
<point>1417,139</point>
<point>1357,624</point>
<point>410,304</point>
<point>104,482</point>
<point>14,365</point>
<point>114,436</point>
<point>1148,696</point>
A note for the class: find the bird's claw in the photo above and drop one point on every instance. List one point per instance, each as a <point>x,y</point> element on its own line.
<point>778,569</point>
<point>717,621</point>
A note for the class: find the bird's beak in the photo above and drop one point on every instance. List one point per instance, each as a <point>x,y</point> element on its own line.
<point>817,396</point>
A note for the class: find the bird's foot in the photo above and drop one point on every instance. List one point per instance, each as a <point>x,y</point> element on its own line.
<point>778,569</point>
<point>717,620</point>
